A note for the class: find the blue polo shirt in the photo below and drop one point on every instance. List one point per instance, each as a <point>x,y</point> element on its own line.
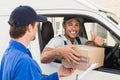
<point>17,64</point>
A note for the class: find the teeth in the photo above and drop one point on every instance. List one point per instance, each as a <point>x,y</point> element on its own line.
<point>73,32</point>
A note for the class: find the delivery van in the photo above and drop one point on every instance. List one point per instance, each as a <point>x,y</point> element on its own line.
<point>101,22</point>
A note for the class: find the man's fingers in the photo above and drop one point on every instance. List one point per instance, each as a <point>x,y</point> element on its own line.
<point>92,35</point>
<point>75,57</point>
<point>99,41</point>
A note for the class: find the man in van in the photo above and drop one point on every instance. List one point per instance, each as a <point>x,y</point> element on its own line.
<point>17,62</point>
<point>62,45</point>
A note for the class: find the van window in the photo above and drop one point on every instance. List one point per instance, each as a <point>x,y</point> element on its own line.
<point>57,25</point>
<point>100,31</point>
<point>112,48</point>
<point>89,26</point>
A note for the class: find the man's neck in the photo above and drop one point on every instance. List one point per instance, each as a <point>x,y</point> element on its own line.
<point>23,41</point>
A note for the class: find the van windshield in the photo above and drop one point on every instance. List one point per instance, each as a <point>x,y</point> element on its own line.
<point>112,16</point>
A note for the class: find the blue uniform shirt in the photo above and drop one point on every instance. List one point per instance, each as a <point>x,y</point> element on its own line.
<point>17,64</point>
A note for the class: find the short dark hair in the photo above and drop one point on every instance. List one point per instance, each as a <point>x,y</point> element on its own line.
<point>20,18</point>
<point>16,32</point>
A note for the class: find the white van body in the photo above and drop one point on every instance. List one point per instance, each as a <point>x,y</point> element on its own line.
<point>58,8</point>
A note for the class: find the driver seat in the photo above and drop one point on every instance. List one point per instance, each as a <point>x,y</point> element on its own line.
<point>47,33</point>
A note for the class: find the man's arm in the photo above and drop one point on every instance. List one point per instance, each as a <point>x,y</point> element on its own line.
<point>67,52</point>
<point>49,54</point>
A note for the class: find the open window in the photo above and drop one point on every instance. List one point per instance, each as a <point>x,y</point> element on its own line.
<point>111,41</point>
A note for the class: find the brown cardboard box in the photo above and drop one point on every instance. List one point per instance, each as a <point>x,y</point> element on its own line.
<point>89,55</point>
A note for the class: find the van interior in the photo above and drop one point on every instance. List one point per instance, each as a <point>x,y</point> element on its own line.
<point>111,40</point>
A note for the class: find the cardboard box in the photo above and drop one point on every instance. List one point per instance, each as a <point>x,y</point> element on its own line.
<point>89,56</point>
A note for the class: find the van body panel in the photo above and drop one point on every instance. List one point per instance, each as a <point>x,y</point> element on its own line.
<point>58,8</point>
<point>94,75</point>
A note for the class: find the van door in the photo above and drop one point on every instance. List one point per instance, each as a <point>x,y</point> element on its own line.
<point>111,42</point>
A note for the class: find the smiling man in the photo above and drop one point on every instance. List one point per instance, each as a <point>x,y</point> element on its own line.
<point>62,46</point>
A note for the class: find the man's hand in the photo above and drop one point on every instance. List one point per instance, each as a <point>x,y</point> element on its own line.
<point>63,72</point>
<point>70,54</point>
<point>97,39</point>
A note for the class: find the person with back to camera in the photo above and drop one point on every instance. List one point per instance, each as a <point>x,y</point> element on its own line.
<point>62,45</point>
<point>17,62</point>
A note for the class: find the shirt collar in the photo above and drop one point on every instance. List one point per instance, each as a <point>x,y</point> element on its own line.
<point>20,46</point>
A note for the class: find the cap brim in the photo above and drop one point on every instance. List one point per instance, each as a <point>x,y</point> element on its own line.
<point>41,18</point>
<point>67,18</point>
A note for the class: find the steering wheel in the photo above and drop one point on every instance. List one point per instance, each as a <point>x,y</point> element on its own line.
<point>112,51</point>
<point>111,59</point>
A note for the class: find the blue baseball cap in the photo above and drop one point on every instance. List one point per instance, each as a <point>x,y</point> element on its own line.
<point>24,15</point>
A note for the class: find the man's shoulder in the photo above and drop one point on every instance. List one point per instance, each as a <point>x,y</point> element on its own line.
<point>55,42</point>
<point>59,37</point>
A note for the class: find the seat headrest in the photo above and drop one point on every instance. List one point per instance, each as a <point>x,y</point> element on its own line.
<point>47,32</point>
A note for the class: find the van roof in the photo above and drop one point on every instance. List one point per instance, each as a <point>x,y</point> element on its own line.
<point>67,4</point>
<point>6,8</point>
